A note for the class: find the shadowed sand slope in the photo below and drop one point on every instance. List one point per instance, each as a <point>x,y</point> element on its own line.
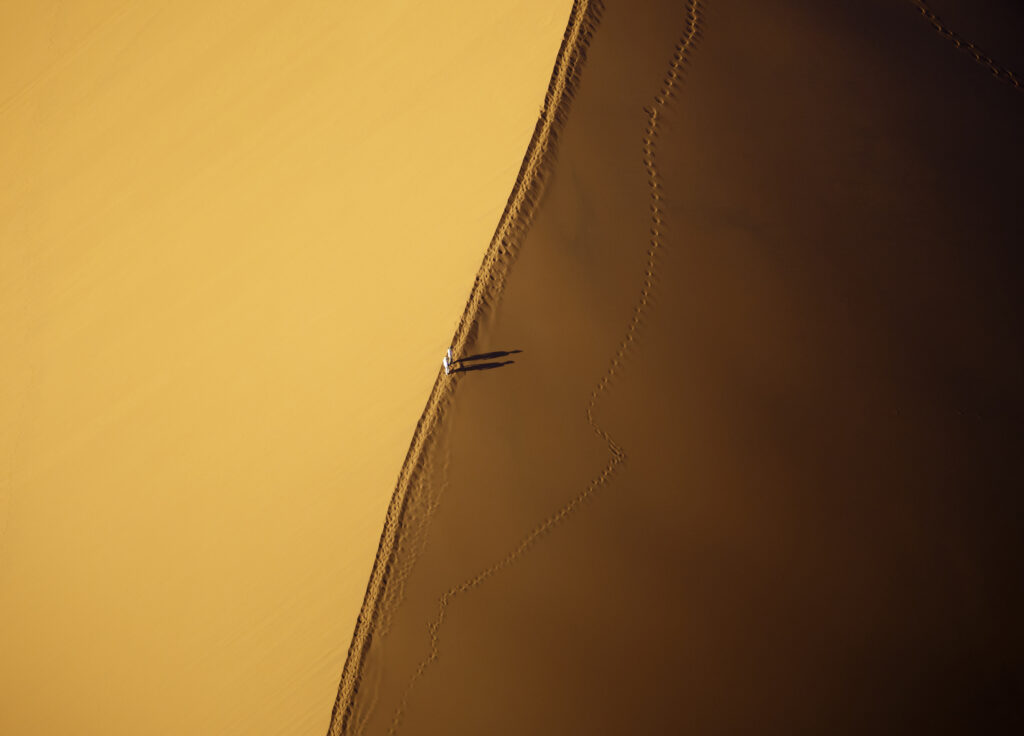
<point>755,465</point>
<point>234,239</point>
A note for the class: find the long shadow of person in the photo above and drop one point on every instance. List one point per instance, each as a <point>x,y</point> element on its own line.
<point>488,356</point>
<point>479,366</point>
<point>472,362</point>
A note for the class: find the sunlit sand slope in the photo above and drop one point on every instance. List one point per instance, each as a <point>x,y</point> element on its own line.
<point>235,238</point>
<point>736,448</point>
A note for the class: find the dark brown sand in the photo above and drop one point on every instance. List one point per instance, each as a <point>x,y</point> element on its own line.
<point>743,453</point>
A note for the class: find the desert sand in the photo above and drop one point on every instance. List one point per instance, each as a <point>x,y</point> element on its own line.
<point>235,238</point>
<point>734,444</point>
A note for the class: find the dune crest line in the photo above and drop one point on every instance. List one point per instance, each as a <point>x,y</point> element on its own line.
<point>618,456</point>
<point>423,500</point>
<point>964,45</point>
<point>518,212</point>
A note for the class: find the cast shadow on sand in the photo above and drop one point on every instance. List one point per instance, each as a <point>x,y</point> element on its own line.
<point>464,365</point>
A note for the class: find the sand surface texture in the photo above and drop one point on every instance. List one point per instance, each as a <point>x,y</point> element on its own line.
<point>741,451</point>
<point>235,238</point>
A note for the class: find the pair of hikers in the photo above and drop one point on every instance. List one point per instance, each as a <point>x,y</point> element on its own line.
<point>447,362</point>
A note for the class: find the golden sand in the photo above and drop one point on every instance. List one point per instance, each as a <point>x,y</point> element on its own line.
<point>235,239</point>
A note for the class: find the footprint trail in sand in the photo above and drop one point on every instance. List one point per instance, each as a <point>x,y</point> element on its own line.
<point>618,455</point>
<point>966,46</point>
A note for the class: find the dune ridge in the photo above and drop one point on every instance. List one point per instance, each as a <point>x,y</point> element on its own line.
<point>618,455</point>
<point>968,47</point>
<point>526,192</point>
<point>422,500</point>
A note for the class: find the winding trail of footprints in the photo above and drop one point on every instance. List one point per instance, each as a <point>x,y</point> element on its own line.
<point>966,46</point>
<point>618,455</point>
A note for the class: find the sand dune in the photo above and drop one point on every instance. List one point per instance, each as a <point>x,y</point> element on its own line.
<point>235,238</point>
<point>750,463</point>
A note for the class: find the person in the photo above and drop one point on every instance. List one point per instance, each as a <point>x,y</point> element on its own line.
<point>447,362</point>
